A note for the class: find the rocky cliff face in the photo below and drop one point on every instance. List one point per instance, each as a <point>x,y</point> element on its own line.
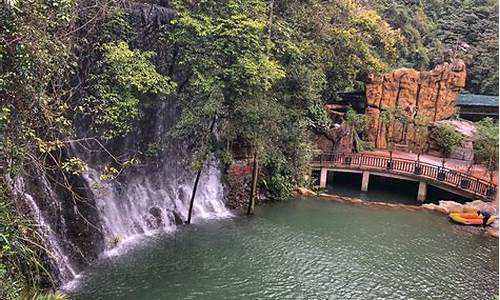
<point>430,93</point>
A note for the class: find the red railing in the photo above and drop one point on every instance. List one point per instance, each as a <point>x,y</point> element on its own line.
<point>463,181</point>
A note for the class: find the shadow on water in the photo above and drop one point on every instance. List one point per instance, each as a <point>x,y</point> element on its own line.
<point>434,194</point>
<point>380,189</point>
<point>384,189</point>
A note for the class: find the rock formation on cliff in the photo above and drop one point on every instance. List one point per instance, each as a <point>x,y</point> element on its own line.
<point>428,93</point>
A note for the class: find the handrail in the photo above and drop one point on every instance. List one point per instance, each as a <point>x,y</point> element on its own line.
<point>442,174</point>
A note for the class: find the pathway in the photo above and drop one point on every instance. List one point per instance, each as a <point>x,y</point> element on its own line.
<point>456,164</point>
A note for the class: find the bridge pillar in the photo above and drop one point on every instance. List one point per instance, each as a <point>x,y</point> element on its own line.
<point>422,191</point>
<point>365,181</point>
<point>322,178</point>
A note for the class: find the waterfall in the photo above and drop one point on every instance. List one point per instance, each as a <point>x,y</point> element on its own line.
<point>57,257</point>
<point>145,201</point>
<point>153,202</point>
<point>97,216</point>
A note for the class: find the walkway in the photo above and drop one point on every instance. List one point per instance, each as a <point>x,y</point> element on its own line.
<point>456,164</point>
<point>454,175</point>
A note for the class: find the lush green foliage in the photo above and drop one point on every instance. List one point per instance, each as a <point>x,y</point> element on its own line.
<point>435,29</point>
<point>21,252</point>
<point>486,144</point>
<point>259,71</point>
<point>392,117</point>
<point>446,137</point>
<point>358,124</point>
<point>35,60</point>
<point>38,295</point>
<point>121,77</point>
<point>265,71</point>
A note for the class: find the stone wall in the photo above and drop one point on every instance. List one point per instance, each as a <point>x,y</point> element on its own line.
<point>238,180</point>
<point>430,93</point>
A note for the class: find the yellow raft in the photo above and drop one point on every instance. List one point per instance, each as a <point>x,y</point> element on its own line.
<point>470,218</point>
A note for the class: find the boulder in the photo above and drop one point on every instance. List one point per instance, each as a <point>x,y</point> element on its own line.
<point>305,192</point>
<point>451,206</point>
<point>436,208</point>
<point>482,206</point>
<point>468,129</point>
<point>177,218</point>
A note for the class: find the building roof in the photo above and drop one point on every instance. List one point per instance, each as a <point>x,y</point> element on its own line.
<point>477,100</point>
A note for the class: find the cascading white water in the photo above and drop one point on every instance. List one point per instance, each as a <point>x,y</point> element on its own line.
<point>145,203</point>
<point>141,201</point>
<point>56,253</point>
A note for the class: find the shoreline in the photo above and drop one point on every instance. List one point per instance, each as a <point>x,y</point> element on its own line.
<point>488,231</point>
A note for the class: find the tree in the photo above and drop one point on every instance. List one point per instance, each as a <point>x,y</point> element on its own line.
<point>447,138</point>
<point>358,123</point>
<point>388,117</point>
<point>429,28</point>
<point>421,131</point>
<point>402,119</point>
<point>268,81</point>
<point>486,145</point>
<point>117,87</point>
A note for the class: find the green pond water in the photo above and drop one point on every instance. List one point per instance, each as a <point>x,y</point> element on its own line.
<point>303,249</point>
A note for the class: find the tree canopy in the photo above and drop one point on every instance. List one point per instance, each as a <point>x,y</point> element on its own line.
<point>486,144</point>
<point>432,30</point>
<point>261,71</point>
<point>446,137</point>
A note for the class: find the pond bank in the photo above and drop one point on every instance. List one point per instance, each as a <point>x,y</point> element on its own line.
<point>445,207</point>
<point>303,249</point>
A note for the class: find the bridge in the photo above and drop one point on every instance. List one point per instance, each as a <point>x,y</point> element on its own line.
<point>425,173</point>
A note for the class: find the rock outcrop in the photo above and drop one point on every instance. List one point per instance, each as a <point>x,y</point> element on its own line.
<point>427,93</point>
<point>473,206</point>
<point>465,151</point>
<point>339,137</point>
<point>446,207</point>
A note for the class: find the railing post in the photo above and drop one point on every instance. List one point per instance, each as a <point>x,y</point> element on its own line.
<point>490,193</point>
<point>451,177</point>
<point>441,175</point>
<point>417,169</point>
<point>390,164</point>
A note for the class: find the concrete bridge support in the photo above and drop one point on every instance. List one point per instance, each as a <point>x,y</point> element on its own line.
<point>323,177</point>
<point>422,191</point>
<point>365,181</point>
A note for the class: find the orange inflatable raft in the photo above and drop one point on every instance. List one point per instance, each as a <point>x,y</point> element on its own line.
<point>470,218</point>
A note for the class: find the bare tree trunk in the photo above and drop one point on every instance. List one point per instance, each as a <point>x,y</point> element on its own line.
<point>255,174</point>
<point>271,14</point>
<point>192,196</point>
<point>191,203</point>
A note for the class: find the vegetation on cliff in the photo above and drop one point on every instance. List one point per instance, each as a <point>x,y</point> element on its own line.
<point>432,30</point>
<point>486,145</point>
<point>262,70</point>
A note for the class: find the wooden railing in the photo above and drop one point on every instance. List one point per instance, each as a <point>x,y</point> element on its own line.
<point>462,181</point>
